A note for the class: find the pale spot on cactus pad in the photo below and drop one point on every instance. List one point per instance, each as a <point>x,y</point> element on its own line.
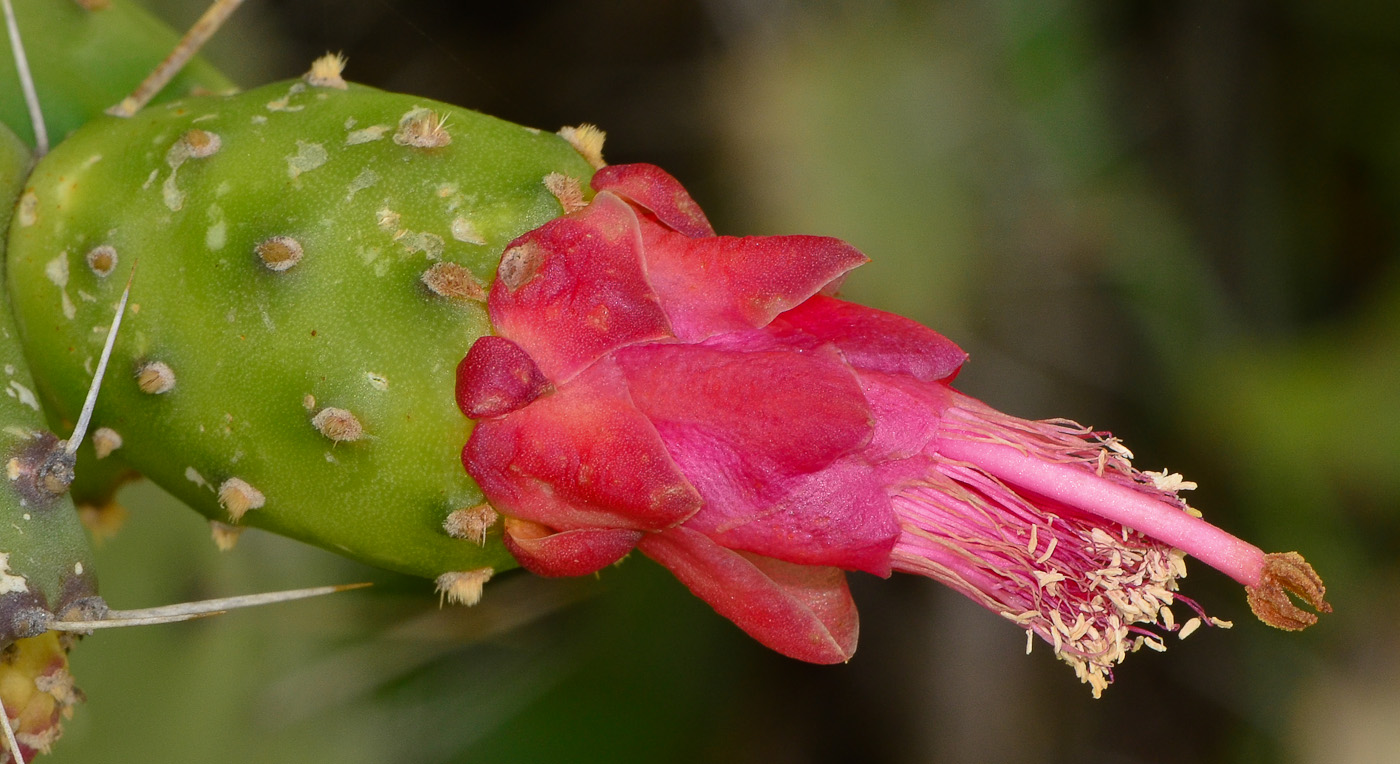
<point>197,144</point>
<point>155,378</point>
<point>338,424</point>
<point>279,253</point>
<point>453,281</point>
<point>424,129</point>
<point>238,497</point>
<point>464,230</point>
<point>325,72</point>
<point>309,156</point>
<point>27,213</point>
<point>106,440</point>
<point>463,588</point>
<point>471,523</point>
<point>102,260</point>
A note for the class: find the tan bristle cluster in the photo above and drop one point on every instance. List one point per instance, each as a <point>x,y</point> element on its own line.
<point>454,281</point>
<point>155,378</point>
<point>102,520</point>
<point>279,253</point>
<point>587,140</point>
<point>102,260</point>
<point>105,440</point>
<point>325,72</point>
<point>424,129</point>
<point>471,523</point>
<point>520,264</point>
<point>225,536</point>
<point>338,424</point>
<point>464,587</point>
<point>567,190</point>
<point>237,496</point>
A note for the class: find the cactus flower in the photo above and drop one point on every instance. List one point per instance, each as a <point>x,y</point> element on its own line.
<point>703,399</point>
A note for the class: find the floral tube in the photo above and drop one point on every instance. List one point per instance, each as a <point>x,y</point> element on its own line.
<point>704,399</point>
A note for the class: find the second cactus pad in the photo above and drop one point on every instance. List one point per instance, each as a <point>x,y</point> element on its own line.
<point>312,260</point>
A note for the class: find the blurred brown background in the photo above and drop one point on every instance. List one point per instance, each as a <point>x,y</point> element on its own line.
<point>1174,220</point>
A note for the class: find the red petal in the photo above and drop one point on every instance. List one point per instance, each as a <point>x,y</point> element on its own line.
<point>764,435</point>
<point>724,283</point>
<point>878,341</point>
<point>800,611</point>
<point>655,190</point>
<point>497,377</point>
<point>583,457</point>
<point>544,552</point>
<point>573,289</point>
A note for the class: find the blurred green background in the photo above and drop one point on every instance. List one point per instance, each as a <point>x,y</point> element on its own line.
<point>1174,220</point>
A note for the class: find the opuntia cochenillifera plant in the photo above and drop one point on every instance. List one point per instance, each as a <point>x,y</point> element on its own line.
<point>317,258</point>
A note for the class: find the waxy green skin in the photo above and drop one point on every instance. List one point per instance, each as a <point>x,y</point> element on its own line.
<point>351,325</point>
<point>86,61</point>
<point>48,563</point>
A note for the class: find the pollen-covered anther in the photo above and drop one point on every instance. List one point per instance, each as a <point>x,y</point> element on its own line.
<point>463,587</point>
<point>325,72</point>
<point>338,424</point>
<point>238,496</point>
<point>279,253</point>
<point>155,378</point>
<point>1287,573</point>
<point>198,144</point>
<point>424,129</point>
<point>471,523</point>
<point>102,260</point>
<point>225,536</point>
<point>587,140</point>
<point>567,190</point>
<point>105,440</point>
<point>454,281</point>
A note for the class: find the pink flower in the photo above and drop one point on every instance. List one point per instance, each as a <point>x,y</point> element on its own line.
<point>703,399</point>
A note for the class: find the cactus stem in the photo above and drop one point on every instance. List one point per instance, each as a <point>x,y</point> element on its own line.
<point>338,424</point>
<point>238,496</point>
<point>31,96</point>
<point>189,45</point>
<point>155,378</point>
<point>185,611</point>
<point>10,740</point>
<point>279,253</point>
<point>454,282</point>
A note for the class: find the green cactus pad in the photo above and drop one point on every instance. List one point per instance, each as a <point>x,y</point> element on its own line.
<point>85,61</point>
<point>45,560</point>
<point>308,258</point>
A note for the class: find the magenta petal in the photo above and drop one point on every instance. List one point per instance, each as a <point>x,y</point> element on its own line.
<point>573,289</point>
<point>566,553</point>
<point>583,457</point>
<point>800,611</point>
<point>764,435</point>
<point>876,340</point>
<point>497,377</point>
<point>655,190</point>
<point>725,283</point>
